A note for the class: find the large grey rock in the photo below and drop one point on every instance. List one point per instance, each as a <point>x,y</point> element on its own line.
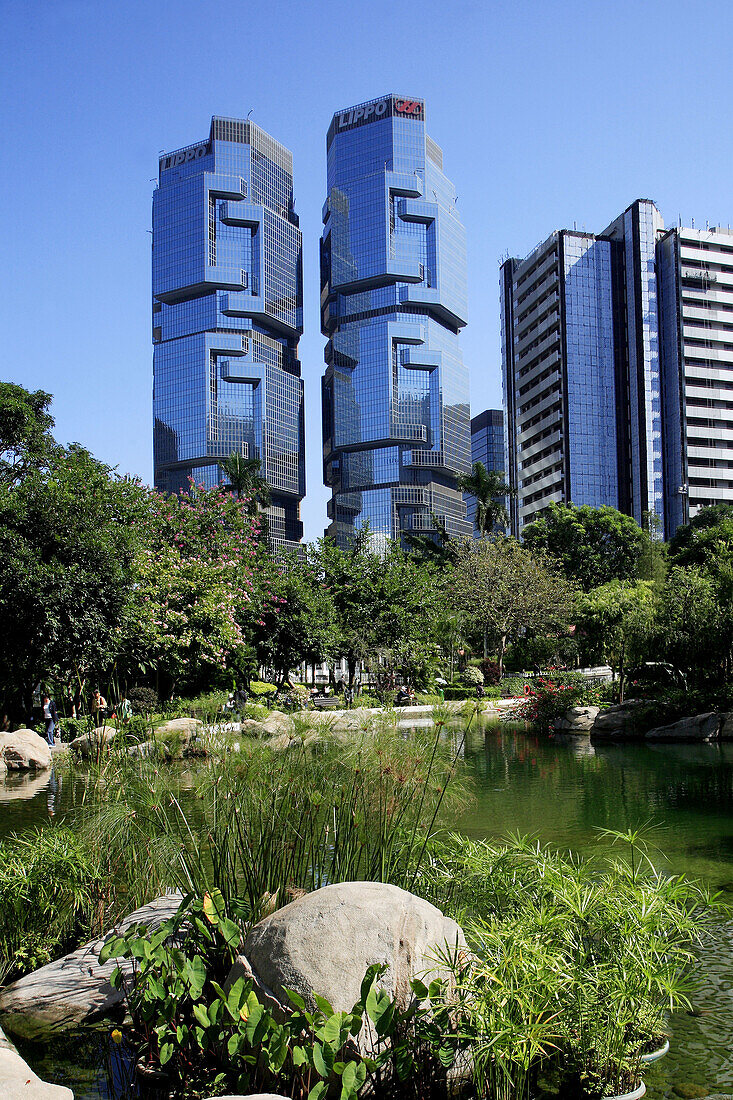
<point>90,744</point>
<point>24,750</point>
<point>324,942</point>
<point>617,723</point>
<point>576,720</point>
<point>178,736</point>
<point>19,1082</point>
<point>726,728</point>
<point>75,991</point>
<point>700,727</point>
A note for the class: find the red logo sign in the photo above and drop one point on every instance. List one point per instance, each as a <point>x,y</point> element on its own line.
<point>408,106</point>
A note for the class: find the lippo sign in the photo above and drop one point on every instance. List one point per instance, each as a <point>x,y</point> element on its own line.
<point>379,108</point>
<point>173,160</point>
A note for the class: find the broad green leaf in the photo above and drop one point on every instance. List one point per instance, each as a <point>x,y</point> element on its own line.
<point>230,931</point>
<point>318,1090</point>
<point>295,998</point>
<point>325,1007</point>
<point>331,1030</point>
<point>323,1058</point>
<point>298,1056</point>
<point>201,1015</point>
<point>419,989</point>
<point>166,1052</point>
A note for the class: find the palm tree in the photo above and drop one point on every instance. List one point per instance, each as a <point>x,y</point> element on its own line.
<point>246,480</point>
<point>488,488</point>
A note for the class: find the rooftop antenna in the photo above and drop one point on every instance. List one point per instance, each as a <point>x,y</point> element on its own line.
<point>249,112</point>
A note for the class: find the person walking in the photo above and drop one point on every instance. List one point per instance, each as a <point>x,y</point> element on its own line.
<point>50,717</point>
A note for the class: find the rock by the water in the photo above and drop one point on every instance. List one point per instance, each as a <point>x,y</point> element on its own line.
<point>178,736</point>
<point>89,744</point>
<point>576,720</point>
<point>617,723</point>
<point>700,727</point>
<point>324,942</point>
<point>75,991</point>
<point>19,1082</point>
<point>726,727</point>
<point>24,750</point>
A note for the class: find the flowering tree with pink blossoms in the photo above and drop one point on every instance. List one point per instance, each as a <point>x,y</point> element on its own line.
<point>195,589</point>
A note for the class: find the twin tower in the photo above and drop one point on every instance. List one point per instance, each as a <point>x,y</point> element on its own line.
<point>228,314</point>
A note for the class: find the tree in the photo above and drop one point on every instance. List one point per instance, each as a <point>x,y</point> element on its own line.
<point>706,540</point>
<point>488,488</point>
<point>299,624</point>
<point>591,545</point>
<point>193,594</point>
<point>26,442</point>
<point>68,540</point>
<point>386,605</point>
<point>504,590</point>
<point>695,622</point>
<point>618,618</point>
<point>246,480</point>
<point>438,550</point>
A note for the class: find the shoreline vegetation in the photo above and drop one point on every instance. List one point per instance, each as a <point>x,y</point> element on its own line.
<point>572,963</point>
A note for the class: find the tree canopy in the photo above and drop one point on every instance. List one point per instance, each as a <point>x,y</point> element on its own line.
<point>504,589</point>
<point>489,490</point>
<point>591,545</point>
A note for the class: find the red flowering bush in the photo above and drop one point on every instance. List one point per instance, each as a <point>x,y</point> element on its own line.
<point>547,699</point>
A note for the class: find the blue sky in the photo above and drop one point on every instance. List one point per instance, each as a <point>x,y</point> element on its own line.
<point>548,114</point>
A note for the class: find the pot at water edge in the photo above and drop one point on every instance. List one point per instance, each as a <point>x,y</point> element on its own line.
<point>655,1055</point>
<point>635,1095</point>
<point>154,1083</point>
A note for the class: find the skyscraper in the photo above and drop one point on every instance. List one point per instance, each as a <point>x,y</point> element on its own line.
<point>487,447</point>
<point>227,316</point>
<point>696,338</point>
<point>393,301</point>
<point>581,370</point>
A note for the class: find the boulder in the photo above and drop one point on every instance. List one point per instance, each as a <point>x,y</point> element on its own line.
<point>617,723</point>
<point>324,941</point>
<point>178,736</point>
<point>726,728</point>
<point>19,1082</point>
<point>576,720</point>
<point>89,744</point>
<point>75,991</point>
<point>700,727</point>
<point>24,750</point>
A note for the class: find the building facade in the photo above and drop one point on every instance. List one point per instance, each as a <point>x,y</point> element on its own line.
<point>393,301</point>
<point>696,278</point>
<point>487,447</point>
<point>227,317</point>
<point>581,370</point>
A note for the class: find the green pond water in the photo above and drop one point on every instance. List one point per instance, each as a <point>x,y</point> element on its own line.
<point>561,792</point>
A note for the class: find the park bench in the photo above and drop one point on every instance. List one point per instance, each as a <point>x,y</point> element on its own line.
<point>326,702</point>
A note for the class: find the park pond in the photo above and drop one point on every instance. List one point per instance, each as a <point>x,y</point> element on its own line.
<point>563,792</point>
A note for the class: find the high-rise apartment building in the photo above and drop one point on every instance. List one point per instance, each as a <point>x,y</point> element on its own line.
<point>487,447</point>
<point>227,316</point>
<point>696,279</point>
<point>581,370</point>
<point>393,301</point>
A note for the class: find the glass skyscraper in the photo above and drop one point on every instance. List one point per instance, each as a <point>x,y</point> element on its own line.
<point>581,370</point>
<point>227,316</point>
<point>396,422</point>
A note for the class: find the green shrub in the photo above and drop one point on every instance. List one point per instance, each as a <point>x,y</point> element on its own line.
<point>472,676</point>
<point>143,700</point>
<point>51,897</point>
<point>261,689</point>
